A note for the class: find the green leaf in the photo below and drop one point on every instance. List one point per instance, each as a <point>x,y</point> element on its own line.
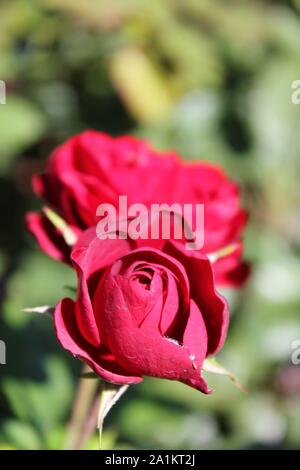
<point>21,124</point>
<point>21,435</point>
<point>47,277</point>
<point>30,400</point>
<point>211,365</point>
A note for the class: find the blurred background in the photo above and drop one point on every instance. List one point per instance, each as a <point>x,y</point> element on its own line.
<point>211,79</point>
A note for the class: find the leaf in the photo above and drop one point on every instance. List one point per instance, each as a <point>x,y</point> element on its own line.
<point>47,278</point>
<point>21,435</point>
<point>110,394</point>
<point>140,85</point>
<point>30,399</point>
<point>21,125</point>
<point>212,365</point>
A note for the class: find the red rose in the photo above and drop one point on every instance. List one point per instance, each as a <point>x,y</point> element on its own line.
<point>142,312</point>
<point>93,168</point>
<point>224,220</point>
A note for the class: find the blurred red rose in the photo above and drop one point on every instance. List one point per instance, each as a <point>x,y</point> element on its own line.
<point>224,220</point>
<point>93,168</point>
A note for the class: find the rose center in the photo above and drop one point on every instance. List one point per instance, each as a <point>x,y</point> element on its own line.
<point>143,276</point>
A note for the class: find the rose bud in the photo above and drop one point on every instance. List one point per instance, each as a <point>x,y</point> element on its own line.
<point>142,312</point>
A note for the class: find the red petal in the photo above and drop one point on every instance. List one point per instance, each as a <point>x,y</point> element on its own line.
<point>48,237</point>
<point>212,305</point>
<point>144,351</point>
<point>70,338</point>
<point>90,255</point>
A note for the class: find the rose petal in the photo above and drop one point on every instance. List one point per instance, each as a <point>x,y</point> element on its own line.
<point>212,305</point>
<point>48,237</point>
<point>89,257</point>
<point>158,258</point>
<point>70,338</point>
<point>143,351</point>
<point>93,254</point>
<point>231,270</point>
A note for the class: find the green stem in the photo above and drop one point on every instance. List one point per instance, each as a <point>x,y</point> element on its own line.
<point>86,391</point>
<point>90,424</point>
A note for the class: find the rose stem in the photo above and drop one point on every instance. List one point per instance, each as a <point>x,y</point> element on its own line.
<point>85,393</point>
<point>90,425</point>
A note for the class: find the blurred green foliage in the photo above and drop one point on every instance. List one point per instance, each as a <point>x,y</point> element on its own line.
<point>211,79</point>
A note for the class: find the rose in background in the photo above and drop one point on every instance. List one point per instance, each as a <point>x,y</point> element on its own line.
<point>93,168</point>
<point>224,220</point>
<point>142,312</point>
